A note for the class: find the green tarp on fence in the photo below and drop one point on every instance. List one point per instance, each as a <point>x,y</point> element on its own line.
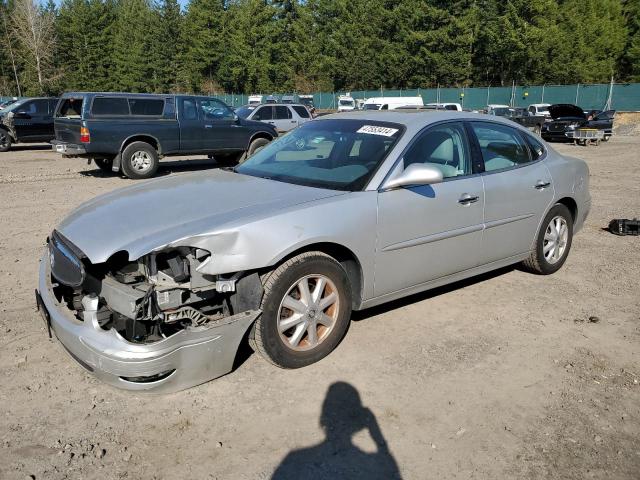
<point>624,97</point>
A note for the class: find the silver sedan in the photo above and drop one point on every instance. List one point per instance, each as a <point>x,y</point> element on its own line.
<point>154,286</point>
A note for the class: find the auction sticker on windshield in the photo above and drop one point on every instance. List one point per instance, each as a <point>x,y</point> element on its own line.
<point>374,130</point>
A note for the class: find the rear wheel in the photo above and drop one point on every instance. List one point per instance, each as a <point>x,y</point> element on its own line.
<point>5,141</point>
<point>553,242</point>
<point>253,147</point>
<point>139,160</point>
<point>306,310</point>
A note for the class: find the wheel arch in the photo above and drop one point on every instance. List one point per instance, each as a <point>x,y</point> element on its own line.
<point>261,134</point>
<point>343,255</point>
<point>142,137</point>
<point>8,130</point>
<point>571,204</point>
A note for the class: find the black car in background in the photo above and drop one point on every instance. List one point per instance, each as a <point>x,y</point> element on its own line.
<point>29,120</point>
<point>565,116</point>
<point>130,132</point>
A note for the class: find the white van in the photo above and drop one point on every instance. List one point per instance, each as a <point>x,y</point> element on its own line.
<point>539,109</point>
<point>390,103</point>
<point>446,106</point>
<point>255,99</point>
<point>346,103</point>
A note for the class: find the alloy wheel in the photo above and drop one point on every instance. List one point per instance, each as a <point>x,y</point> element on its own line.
<point>556,237</point>
<point>308,312</point>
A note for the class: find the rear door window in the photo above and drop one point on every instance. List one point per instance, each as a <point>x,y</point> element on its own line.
<point>110,106</point>
<point>502,147</point>
<point>302,111</point>
<point>263,113</point>
<point>146,106</point>
<point>282,113</point>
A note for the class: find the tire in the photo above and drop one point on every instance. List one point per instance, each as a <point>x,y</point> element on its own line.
<point>139,160</point>
<point>253,146</point>
<point>547,262</point>
<point>298,346</point>
<point>104,164</point>
<point>606,138</point>
<point>5,141</point>
<point>227,159</point>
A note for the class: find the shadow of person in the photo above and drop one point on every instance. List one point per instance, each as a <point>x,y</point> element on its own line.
<point>337,458</point>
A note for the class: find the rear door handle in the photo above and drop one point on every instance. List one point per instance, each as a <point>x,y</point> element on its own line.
<point>540,185</point>
<point>467,199</point>
<point>208,126</point>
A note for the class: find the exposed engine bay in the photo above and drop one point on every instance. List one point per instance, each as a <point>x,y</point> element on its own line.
<point>152,298</point>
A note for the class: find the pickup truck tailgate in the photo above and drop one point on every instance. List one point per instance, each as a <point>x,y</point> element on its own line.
<point>67,129</point>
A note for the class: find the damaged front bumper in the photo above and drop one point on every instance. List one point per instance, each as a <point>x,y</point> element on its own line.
<point>187,358</point>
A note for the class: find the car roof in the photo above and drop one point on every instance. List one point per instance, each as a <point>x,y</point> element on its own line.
<point>415,120</point>
<point>277,104</point>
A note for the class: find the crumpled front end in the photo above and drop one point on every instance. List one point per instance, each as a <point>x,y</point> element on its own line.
<point>155,324</point>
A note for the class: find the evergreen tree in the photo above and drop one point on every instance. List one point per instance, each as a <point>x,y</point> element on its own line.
<point>84,49</point>
<point>131,41</point>
<point>165,46</point>
<point>202,38</point>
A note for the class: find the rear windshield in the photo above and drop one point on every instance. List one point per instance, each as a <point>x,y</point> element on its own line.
<point>110,106</point>
<point>70,108</point>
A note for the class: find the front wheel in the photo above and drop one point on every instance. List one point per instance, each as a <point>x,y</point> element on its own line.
<point>552,243</point>
<point>306,310</point>
<point>5,141</point>
<point>140,160</point>
<point>254,146</point>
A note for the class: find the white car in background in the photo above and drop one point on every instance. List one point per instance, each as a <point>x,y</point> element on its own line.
<point>346,103</point>
<point>456,107</point>
<point>255,99</point>
<point>536,109</point>
<point>284,117</point>
<point>391,103</point>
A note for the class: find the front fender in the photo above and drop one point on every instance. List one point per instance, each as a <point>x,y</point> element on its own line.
<point>345,220</point>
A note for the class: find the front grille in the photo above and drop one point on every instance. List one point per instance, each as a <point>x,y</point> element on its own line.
<point>65,259</point>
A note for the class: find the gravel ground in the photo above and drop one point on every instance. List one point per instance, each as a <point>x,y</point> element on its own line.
<point>510,375</point>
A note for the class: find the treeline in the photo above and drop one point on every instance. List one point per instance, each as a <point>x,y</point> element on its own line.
<point>250,46</point>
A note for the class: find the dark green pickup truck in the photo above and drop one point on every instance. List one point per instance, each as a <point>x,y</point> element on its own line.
<point>131,132</point>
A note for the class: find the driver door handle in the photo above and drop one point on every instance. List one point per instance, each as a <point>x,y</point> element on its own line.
<point>208,126</point>
<point>540,185</point>
<point>467,199</point>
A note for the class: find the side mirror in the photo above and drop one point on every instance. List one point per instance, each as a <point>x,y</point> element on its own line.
<point>415,174</point>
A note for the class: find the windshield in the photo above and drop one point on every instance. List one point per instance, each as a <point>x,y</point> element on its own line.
<point>244,112</point>
<point>346,103</point>
<point>371,106</point>
<point>501,112</point>
<point>333,154</point>
<point>307,101</point>
<point>11,107</point>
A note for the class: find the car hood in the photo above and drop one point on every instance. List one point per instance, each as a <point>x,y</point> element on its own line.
<point>150,215</point>
<point>562,110</point>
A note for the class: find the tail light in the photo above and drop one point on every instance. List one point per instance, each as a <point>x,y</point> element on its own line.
<point>84,135</point>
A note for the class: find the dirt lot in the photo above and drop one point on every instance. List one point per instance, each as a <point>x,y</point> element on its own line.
<point>508,376</point>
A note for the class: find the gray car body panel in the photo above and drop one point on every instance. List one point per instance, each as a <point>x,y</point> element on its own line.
<point>252,223</point>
